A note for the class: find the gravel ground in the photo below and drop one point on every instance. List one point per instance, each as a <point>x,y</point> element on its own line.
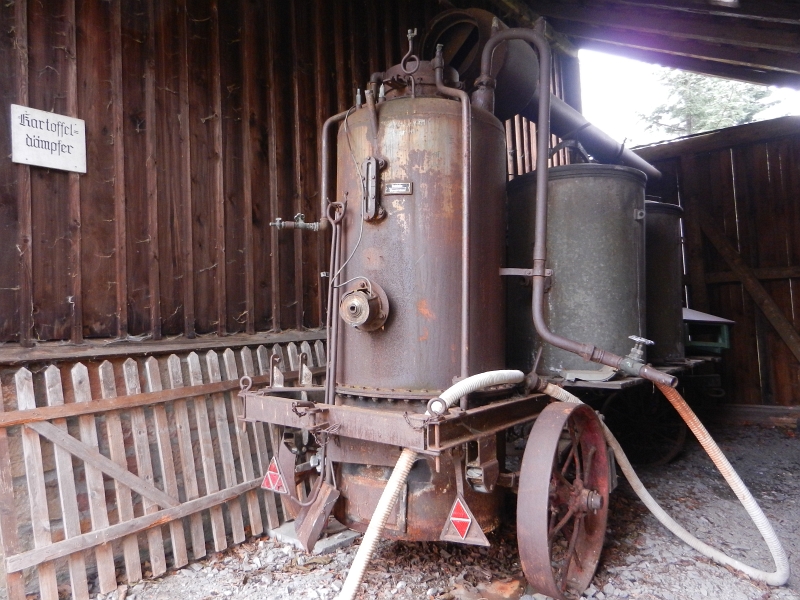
<point>641,559</point>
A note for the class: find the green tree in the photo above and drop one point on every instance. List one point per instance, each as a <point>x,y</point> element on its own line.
<point>698,103</point>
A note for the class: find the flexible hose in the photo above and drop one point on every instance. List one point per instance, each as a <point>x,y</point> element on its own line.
<point>400,474</point>
<point>781,574</point>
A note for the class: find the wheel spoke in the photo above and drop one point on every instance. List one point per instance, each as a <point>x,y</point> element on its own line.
<point>564,520</point>
<point>588,469</point>
<point>570,553</point>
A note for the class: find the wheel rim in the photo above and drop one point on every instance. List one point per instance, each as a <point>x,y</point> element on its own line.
<point>562,506</point>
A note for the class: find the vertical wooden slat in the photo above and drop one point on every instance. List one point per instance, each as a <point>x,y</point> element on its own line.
<point>74,182</point>
<point>184,435</point>
<point>207,452</point>
<point>153,278</point>
<point>121,250</point>
<point>519,146</point>
<point>66,489</point>
<point>298,40</point>
<point>144,465</point>
<point>274,104</point>
<point>323,104</point>
<point>23,173</point>
<point>244,447</point>
<point>9,538</point>
<point>117,451</point>
<point>694,243</point>
<point>185,175</point>
<point>339,51</point>
<point>216,168</point>
<point>37,494</point>
<point>526,144</point>
<point>247,72</point>
<point>164,440</point>
<point>510,149</point>
<point>225,446</point>
<point>95,488</point>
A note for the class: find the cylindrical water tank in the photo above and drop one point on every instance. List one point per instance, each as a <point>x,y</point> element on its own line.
<point>595,249</point>
<point>414,251</point>
<point>664,259</point>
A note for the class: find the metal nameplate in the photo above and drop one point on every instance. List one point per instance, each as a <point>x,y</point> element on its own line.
<point>398,188</point>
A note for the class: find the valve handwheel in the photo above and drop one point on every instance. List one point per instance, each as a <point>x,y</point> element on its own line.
<point>562,507</point>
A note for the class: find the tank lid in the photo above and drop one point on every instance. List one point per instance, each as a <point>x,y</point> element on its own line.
<point>651,206</point>
<point>596,170</point>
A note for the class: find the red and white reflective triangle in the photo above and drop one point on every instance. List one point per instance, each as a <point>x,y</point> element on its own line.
<point>273,480</point>
<point>460,518</point>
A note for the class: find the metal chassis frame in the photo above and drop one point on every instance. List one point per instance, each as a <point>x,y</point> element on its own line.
<point>424,434</point>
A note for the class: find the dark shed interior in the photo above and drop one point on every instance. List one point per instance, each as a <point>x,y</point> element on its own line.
<point>202,125</point>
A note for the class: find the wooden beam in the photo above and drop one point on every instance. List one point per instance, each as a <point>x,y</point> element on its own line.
<point>697,65</point>
<point>769,11</point>
<point>755,58</point>
<point>53,351</point>
<point>89,540</point>
<point>712,29</point>
<point>760,296</point>
<point>39,414</point>
<point>121,243</point>
<point>151,120</point>
<point>74,182</point>
<point>522,13</point>
<point>248,143</point>
<point>106,465</point>
<point>750,133</point>
<point>217,174</point>
<point>761,275</point>
<point>24,208</point>
<point>186,243</point>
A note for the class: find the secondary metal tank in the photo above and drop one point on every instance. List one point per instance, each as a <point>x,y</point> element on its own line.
<point>595,249</point>
<point>664,258</point>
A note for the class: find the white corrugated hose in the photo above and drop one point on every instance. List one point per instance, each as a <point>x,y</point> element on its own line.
<point>781,574</point>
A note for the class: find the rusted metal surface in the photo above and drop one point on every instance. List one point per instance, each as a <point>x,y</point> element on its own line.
<point>563,500</point>
<point>421,512</point>
<point>411,253</point>
<point>664,276</point>
<point>396,424</point>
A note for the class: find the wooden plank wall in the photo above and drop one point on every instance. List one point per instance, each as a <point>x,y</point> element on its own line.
<point>201,120</point>
<point>115,470</point>
<point>744,182</point>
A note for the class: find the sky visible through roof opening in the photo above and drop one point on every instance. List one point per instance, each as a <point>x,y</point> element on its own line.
<point>616,90</point>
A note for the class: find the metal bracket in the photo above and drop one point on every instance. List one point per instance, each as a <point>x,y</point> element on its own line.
<point>369,170</point>
<point>483,470</point>
<point>511,272</point>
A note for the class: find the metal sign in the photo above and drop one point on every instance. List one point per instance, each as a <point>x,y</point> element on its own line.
<point>46,139</point>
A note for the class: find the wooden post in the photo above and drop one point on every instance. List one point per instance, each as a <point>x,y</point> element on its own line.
<point>24,209</point>
<point>121,243</point>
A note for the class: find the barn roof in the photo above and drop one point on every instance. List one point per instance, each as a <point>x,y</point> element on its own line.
<point>749,40</point>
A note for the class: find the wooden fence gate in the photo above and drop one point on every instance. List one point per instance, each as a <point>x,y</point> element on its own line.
<point>116,472</point>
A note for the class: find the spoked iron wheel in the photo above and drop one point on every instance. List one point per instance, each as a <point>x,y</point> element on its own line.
<point>562,506</point>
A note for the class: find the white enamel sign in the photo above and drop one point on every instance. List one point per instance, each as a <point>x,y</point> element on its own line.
<point>46,139</point>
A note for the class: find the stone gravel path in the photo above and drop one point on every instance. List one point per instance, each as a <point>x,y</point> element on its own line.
<point>641,560</point>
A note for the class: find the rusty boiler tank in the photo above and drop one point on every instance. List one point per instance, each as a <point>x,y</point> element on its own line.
<point>400,169</point>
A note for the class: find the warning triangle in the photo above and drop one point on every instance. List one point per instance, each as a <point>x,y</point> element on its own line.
<point>462,527</point>
<point>273,479</point>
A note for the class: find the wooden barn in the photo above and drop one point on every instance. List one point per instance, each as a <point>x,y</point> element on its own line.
<point>135,295</point>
